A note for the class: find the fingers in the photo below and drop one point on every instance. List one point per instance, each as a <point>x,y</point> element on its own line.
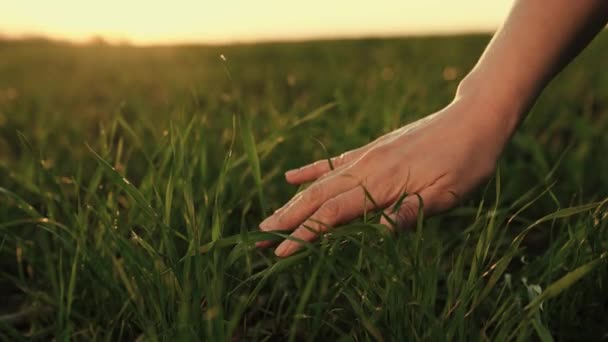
<point>264,244</point>
<point>308,201</point>
<point>315,170</point>
<point>342,208</point>
<point>433,199</point>
<point>404,216</point>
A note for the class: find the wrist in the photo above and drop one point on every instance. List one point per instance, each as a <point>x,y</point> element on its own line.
<point>493,104</point>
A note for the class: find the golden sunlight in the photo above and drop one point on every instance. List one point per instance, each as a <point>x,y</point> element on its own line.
<point>206,21</point>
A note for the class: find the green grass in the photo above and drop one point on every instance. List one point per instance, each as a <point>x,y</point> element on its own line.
<point>132,181</point>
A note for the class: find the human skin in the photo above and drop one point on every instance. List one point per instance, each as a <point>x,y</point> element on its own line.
<point>444,156</point>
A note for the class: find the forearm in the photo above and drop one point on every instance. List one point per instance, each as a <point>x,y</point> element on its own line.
<point>538,39</point>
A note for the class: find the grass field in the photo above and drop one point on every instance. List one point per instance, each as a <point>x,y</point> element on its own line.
<point>132,181</point>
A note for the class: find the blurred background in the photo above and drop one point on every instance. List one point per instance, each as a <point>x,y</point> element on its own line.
<point>191,21</point>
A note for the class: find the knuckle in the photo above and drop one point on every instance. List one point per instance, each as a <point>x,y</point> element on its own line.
<point>381,149</point>
<point>373,192</point>
<point>381,189</point>
<point>444,199</point>
<point>330,211</point>
<point>349,173</point>
<point>313,195</point>
<point>408,212</point>
<point>374,156</point>
<point>366,159</point>
<point>341,159</point>
<point>326,175</point>
<point>386,193</point>
<point>451,198</point>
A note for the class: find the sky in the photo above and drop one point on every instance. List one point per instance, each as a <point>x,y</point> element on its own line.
<point>227,21</point>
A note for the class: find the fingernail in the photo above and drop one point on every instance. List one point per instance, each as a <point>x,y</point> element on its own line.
<point>267,223</point>
<point>262,244</point>
<point>291,172</point>
<point>281,251</point>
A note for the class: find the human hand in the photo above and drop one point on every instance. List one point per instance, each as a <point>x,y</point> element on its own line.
<point>441,158</point>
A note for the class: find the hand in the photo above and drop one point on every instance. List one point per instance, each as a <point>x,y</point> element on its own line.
<point>441,158</point>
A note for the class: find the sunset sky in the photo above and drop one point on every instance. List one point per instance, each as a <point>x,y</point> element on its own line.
<point>206,21</point>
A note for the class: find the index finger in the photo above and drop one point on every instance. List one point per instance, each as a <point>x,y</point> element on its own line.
<point>340,209</point>
<point>308,201</point>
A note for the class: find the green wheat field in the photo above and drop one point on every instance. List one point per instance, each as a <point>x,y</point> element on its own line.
<point>132,182</point>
